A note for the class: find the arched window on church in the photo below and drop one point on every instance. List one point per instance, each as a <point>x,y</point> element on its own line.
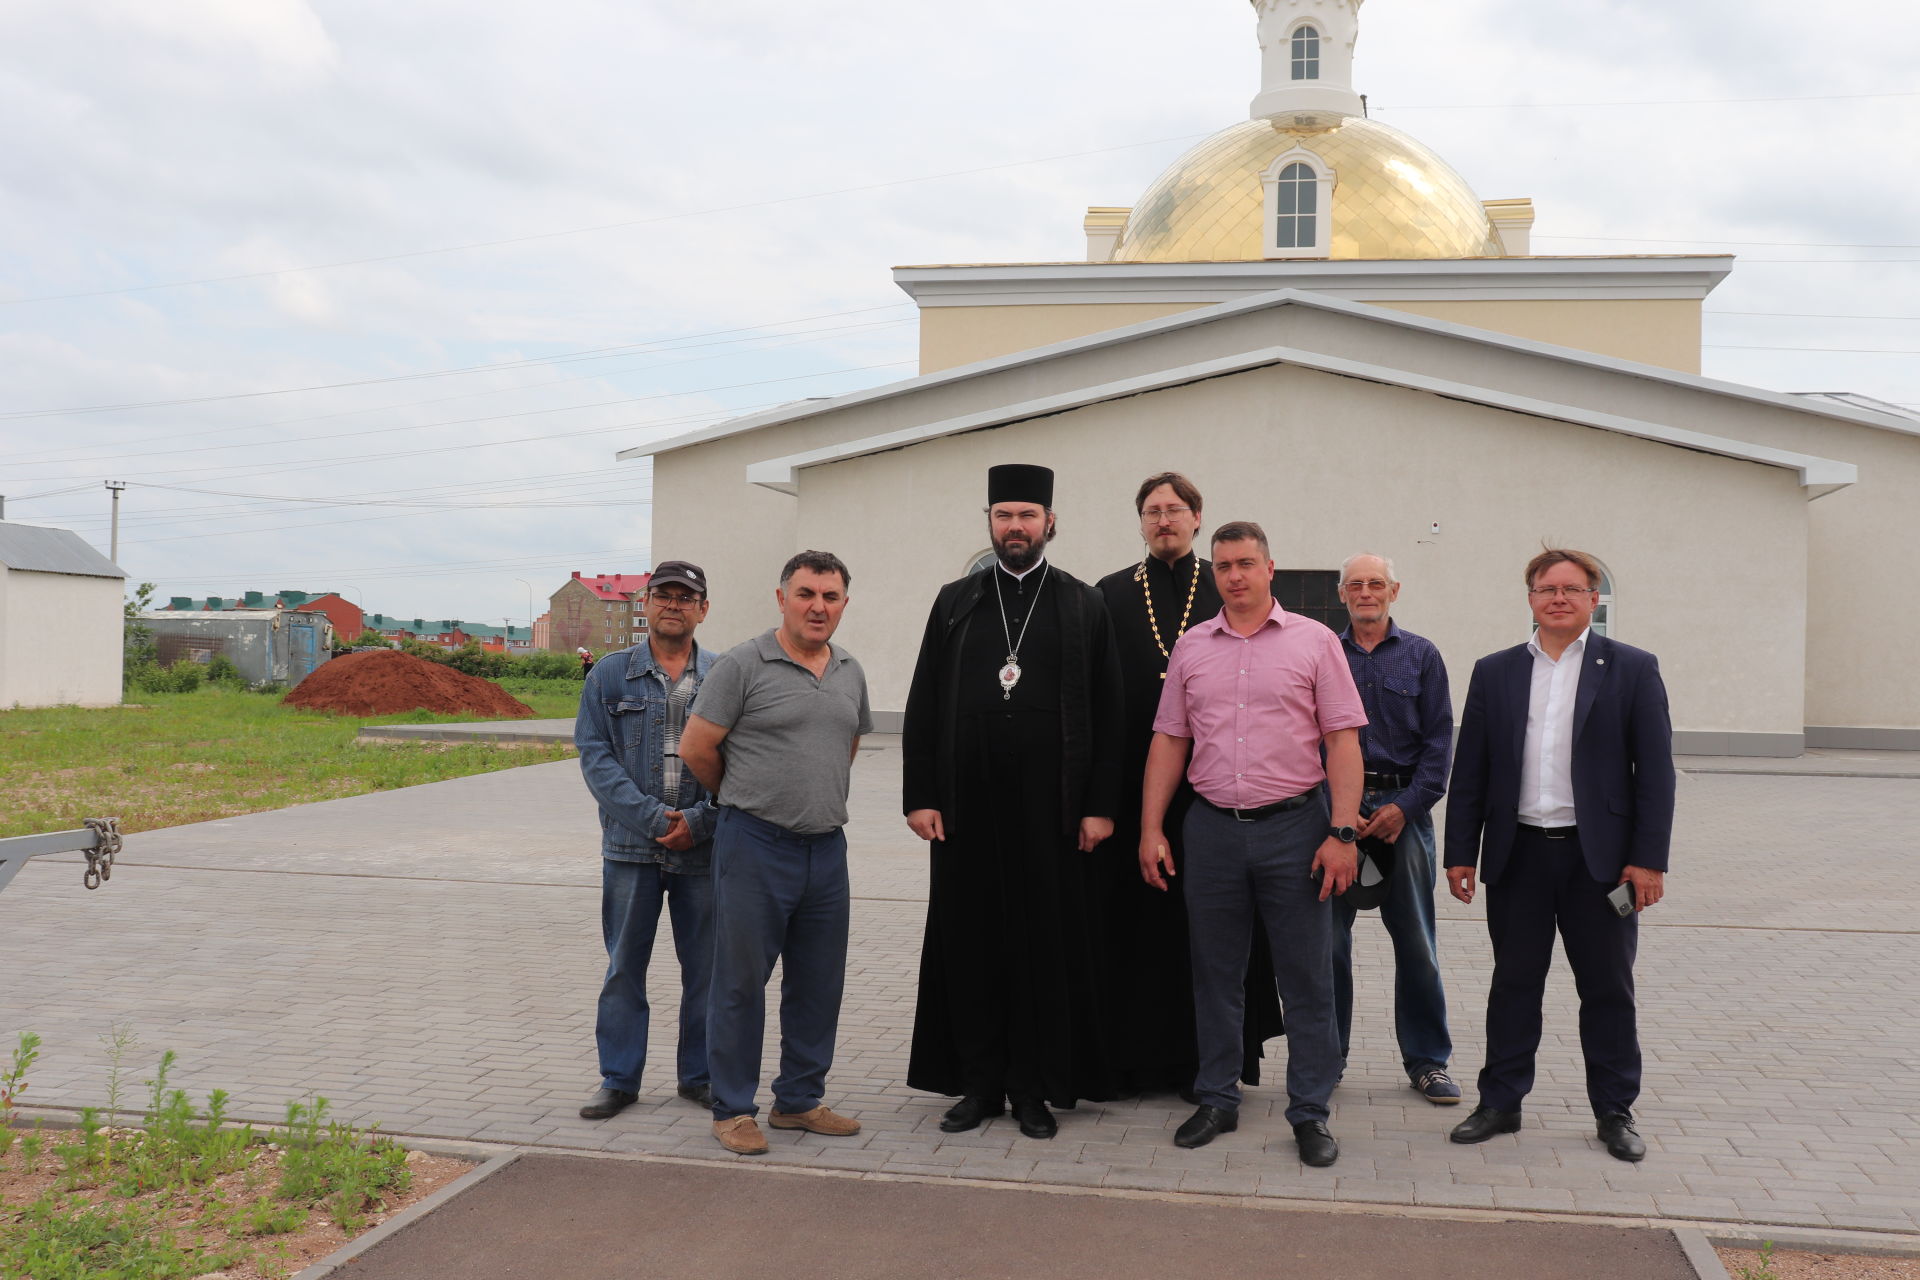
<point>1297,208</point>
<point>1603,612</point>
<point>981,561</point>
<point>1306,54</point>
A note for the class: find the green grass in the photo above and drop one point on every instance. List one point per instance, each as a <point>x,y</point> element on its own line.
<point>175,758</point>
<point>184,1194</point>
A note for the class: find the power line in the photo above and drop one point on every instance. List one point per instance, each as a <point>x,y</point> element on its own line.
<point>571,357</point>
<point>896,182</point>
<point>477,566</point>
<point>1639,102</point>
<point>1839,351</point>
<point>604,226</point>
<point>392,430</point>
<point>1805,315</point>
<point>638,470</point>
<point>1765,244</point>
<point>71,455</point>
<point>321,464</point>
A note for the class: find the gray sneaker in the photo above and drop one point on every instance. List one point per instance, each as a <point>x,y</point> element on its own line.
<point>1437,1087</point>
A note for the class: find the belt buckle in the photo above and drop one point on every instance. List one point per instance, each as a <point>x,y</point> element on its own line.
<point>1239,815</point>
<point>1554,833</point>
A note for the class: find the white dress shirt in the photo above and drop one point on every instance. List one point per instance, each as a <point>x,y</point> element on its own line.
<point>1546,757</point>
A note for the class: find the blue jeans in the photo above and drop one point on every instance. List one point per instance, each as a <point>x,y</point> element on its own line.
<point>777,895</point>
<point>630,896</point>
<point>1419,1001</point>
<point>1238,873</point>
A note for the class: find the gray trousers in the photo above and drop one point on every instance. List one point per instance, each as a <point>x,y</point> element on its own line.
<point>1238,872</point>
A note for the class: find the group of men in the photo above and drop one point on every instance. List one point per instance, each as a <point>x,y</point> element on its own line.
<point>1146,802</point>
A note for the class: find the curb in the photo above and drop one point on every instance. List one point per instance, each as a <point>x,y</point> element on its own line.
<point>350,1251</point>
<point>1700,1255</point>
<point>440,733</point>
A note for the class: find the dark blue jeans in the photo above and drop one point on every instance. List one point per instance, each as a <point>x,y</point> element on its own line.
<point>1238,873</point>
<point>779,896</point>
<point>1419,1001</point>
<point>630,897</point>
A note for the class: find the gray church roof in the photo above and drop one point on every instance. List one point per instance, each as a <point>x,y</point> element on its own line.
<point>36,548</point>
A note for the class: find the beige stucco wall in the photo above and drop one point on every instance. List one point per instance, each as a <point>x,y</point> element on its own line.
<point>953,336</point>
<point>1664,332</point>
<point>1332,465</point>
<point>1859,673</point>
<point>60,639</point>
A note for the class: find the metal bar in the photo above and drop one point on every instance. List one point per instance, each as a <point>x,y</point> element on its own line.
<point>16,850</point>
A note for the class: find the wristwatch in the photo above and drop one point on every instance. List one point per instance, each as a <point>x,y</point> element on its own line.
<point>1345,835</point>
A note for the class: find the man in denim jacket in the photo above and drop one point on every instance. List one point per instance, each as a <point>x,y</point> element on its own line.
<point>657,835</point>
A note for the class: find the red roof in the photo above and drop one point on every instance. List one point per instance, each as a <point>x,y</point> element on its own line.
<point>614,586</point>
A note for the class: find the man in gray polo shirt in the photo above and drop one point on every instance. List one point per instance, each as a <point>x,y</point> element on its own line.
<point>773,733</point>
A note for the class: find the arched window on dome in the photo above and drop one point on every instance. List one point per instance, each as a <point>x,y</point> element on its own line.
<point>1306,53</point>
<point>1299,206</point>
<point>1298,212</point>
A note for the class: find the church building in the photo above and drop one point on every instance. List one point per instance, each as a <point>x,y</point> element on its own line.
<point>1317,319</point>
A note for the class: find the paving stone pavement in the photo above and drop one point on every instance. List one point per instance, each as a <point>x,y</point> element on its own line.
<point>428,958</point>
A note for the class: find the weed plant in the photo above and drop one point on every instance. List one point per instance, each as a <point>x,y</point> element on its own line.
<point>158,1202</point>
<point>1764,1270</point>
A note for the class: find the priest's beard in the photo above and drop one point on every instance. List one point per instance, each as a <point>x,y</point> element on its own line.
<point>1026,555</point>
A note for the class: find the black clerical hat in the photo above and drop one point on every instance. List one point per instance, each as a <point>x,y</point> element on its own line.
<point>1369,887</point>
<point>1020,482</point>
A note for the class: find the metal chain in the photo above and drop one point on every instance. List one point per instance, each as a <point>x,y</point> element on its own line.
<point>100,857</point>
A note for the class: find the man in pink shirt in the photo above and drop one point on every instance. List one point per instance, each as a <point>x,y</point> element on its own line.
<point>1252,696</point>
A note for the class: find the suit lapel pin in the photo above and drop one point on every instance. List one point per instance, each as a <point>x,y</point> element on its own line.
<point>1599,662</point>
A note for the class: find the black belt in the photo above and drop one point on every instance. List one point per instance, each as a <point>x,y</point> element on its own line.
<point>1387,782</point>
<point>1551,833</point>
<point>1265,810</point>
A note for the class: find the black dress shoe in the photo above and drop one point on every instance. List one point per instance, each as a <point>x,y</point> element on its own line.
<point>1623,1143</point>
<point>1317,1146</point>
<point>1204,1125</point>
<point>1485,1123</point>
<point>607,1102</point>
<point>1034,1118</point>
<point>700,1095</point>
<point>969,1112</point>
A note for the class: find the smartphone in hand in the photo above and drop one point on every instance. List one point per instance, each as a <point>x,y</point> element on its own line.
<point>1620,898</point>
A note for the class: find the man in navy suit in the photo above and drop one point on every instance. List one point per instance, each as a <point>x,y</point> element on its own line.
<point>1562,789</point>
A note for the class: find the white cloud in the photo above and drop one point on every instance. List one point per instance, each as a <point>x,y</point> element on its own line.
<point>217,137</point>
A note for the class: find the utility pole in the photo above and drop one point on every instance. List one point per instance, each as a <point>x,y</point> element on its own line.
<point>114,487</point>
<point>529,586</point>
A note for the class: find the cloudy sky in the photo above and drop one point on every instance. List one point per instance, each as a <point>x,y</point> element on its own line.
<point>365,296</point>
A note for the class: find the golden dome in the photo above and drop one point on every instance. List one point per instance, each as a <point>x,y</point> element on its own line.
<point>1392,197</point>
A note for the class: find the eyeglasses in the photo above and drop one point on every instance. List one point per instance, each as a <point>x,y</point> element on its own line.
<point>674,601</point>
<point>1157,514</point>
<point>1550,593</point>
<point>1371,584</point>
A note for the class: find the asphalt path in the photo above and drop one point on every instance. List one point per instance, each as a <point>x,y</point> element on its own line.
<point>591,1218</point>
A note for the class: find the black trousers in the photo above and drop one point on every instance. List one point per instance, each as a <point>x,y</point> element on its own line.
<point>1546,888</point>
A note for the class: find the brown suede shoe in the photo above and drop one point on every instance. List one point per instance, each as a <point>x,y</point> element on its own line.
<point>740,1135</point>
<point>820,1120</point>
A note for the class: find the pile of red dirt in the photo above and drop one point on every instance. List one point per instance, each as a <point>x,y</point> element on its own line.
<point>386,683</point>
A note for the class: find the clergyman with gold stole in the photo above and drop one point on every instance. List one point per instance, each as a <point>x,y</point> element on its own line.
<point>1153,603</point>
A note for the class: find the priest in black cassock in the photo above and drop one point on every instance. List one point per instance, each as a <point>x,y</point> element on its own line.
<point>1012,772</point>
<point>1153,603</point>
